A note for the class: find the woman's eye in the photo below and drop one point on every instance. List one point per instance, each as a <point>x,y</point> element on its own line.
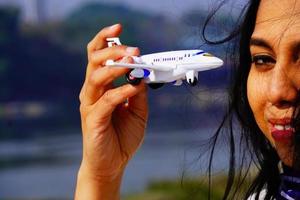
<point>263,60</point>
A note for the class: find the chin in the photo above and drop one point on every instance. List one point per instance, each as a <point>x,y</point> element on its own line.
<point>285,152</point>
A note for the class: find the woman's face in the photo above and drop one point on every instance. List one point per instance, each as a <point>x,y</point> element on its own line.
<point>274,77</point>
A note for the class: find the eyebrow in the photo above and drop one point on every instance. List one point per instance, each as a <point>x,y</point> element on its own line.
<point>260,42</point>
<point>295,47</point>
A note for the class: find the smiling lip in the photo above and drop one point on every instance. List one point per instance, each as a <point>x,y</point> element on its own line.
<point>281,129</point>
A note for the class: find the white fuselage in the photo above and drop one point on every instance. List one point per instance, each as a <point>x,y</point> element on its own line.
<point>185,63</point>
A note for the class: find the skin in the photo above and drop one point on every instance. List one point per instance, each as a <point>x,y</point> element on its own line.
<point>112,130</point>
<point>273,83</point>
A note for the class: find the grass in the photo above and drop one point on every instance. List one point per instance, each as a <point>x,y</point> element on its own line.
<point>188,189</point>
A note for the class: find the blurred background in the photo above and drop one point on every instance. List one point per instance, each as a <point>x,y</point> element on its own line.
<point>42,68</point>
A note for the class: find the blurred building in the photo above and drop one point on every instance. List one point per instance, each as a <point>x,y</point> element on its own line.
<point>33,11</point>
<point>41,12</point>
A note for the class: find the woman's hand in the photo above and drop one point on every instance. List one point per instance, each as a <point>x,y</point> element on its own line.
<point>112,129</point>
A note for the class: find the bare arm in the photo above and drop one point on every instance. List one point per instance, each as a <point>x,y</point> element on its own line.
<point>111,130</point>
<point>95,188</point>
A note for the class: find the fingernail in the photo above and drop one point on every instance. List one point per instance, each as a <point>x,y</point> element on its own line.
<point>113,26</point>
<point>125,59</point>
<point>131,50</point>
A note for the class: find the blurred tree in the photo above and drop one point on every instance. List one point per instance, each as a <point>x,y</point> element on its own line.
<point>149,32</point>
<point>9,38</point>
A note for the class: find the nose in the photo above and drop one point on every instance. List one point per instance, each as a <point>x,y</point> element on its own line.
<point>282,91</point>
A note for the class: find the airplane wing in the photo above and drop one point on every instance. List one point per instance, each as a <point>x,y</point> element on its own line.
<point>139,66</point>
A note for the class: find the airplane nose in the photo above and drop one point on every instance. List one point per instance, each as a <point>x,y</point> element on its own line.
<point>219,62</point>
<point>211,60</point>
<point>216,62</point>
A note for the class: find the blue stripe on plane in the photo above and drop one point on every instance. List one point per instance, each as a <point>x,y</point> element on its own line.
<point>199,53</point>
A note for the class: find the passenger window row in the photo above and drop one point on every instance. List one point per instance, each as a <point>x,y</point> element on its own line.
<point>167,59</point>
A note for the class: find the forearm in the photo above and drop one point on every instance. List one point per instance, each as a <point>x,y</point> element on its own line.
<point>97,188</point>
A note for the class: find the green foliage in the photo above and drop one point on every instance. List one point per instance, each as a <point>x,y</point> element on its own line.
<point>189,189</point>
<point>178,190</point>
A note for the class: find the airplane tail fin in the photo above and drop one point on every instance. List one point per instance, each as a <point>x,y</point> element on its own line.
<point>113,41</point>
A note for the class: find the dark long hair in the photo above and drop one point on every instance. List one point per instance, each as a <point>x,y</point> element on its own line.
<point>253,145</point>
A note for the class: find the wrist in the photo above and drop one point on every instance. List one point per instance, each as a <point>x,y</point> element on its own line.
<point>93,186</point>
<point>105,178</point>
<point>100,175</point>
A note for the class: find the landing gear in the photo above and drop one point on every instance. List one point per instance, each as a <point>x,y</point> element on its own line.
<point>132,80</point>
<point>155,85</point>
<point>194,82</point>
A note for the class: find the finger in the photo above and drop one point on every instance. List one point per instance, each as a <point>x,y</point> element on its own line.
<point>99,41</point>
<point>138,104</point>
<point>82,92</point>
<point>112,98</point>
<point>101,78</point>
<point>113,53</point>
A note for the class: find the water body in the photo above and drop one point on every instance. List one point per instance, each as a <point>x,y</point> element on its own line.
<point>47,167</point>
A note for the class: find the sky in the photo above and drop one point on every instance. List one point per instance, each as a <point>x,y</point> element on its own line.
<point>57,9</point>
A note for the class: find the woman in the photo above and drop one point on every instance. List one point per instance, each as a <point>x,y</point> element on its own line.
<point>263,99</point>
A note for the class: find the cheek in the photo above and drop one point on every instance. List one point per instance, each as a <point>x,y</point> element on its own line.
<point>257,97</point>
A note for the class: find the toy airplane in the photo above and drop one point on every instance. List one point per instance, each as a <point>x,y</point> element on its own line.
<point>166,67</point>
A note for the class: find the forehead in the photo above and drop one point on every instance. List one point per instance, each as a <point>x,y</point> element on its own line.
<point>277,18</point>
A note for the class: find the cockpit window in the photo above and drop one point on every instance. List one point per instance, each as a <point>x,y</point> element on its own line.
<point>208,55</point>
